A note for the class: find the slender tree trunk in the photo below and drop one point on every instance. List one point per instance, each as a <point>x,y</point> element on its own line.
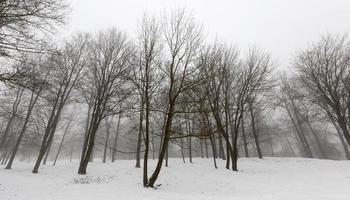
<point>61,144</point>
<point>206,148</point>
<point>167,156</point>
<point>31,104</point>
<point>48,151</point>
<point>214,150</point>
<point>345,147</point>
<point>116,139</point>
<point>318,142</point>
<point>15,105</point>
<point>228,156</point>
<point>201,147</point>
<point>189,139</point>
<point>164,147</point>
<point>182,150</point>
<point>215,147</point>
<point>106,141</point>
<point>153,146</point>
<point>7,131</point>
<point>49,133</point>
<point>147,130</point>
<point>299,134</point>
<point>138,151</point>
<point>71,150</point>
<point>255,134</point>
<point>270,142</point>
<point>221,148</point>
<point>245,144</point>
<point>302,133</point>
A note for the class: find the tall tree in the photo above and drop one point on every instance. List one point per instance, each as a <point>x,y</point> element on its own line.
<point>182,41</point>
<point>67,65</point>
<point>106,79</point>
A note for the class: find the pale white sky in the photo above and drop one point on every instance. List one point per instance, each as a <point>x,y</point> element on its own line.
<point>279,26</point>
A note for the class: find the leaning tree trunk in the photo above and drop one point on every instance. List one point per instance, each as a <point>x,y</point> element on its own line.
<point>299,134</point>
<point>49,133</point>
<point>48,151</point>
<point>89,141</point>
<point>15,105</point>
<point>7,130</point>
<point>23,130</point>
<point>340,135</point>
<point>60,146</point>
<point>164,147</point>
<point>318,142</point>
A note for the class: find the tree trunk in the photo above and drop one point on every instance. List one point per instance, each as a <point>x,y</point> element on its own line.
<point>7,130</point>
<point>270,142</point>
<point>206,148</point>
<point>227,155</point>
<point>90,141</point>
<point>138,151</point>
<point>345,147</point>
<point>106,141</point>
<point>164,147</point>
<point>302,134</point>
<point>214,150</point>
<point>299,134</point>
<point>23,130</point>
<point>221,148</point>
<point>15,105</point>
<point>116,139</point>
<point>245,144</point>
<point>48,151</point>
<point>49,133</point>
<point>201,147</point>
<point>317,139</point>
<point>71,150</point>
<point>61,144</point>
<point>182,150</point>
<point>255,134</point>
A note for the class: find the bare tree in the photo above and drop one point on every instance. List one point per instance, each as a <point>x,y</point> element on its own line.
<point>323,69</point>
<point>182,41</point>
<point>13,113</point>
<point>68,65</point>
<point>106,79</point>
<point>39,84</point>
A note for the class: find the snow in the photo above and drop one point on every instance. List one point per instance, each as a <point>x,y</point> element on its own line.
<point>267,179</point>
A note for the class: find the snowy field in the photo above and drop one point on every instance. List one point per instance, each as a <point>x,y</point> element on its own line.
<point>268,179</point>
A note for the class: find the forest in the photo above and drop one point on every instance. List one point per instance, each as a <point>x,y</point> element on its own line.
<point>168,95</point>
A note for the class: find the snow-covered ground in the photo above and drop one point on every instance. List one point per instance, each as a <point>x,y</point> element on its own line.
<point>267,179</point>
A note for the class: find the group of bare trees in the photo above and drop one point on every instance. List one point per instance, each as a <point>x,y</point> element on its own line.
<point>167,90</point>
<point>323,76</point>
